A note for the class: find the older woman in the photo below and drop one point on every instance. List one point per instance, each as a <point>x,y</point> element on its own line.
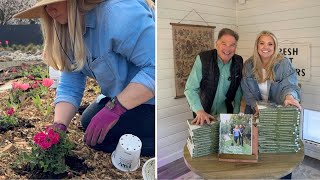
<point>113,42</point>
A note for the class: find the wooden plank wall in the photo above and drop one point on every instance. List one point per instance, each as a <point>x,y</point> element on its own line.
<point>173,113</point>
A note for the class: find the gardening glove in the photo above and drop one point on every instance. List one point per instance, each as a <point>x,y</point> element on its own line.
<point>59,126</point>
<point>103,121</point>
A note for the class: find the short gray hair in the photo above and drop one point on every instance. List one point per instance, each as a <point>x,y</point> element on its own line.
<point>227,31</point>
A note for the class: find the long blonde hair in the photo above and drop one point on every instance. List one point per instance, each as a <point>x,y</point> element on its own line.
<point>72,48</point>
<point>151,4</point>
<point>257,62</point>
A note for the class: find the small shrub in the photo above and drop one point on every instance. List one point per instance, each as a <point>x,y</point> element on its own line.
<point>48,153</point>
<point>8,119</point>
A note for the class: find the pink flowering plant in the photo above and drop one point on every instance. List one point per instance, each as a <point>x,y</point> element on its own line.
<point>8,118</point>
<point>48,153</point>
<point>18,92</point>
<point>37,71</point>
<point>40,89</point>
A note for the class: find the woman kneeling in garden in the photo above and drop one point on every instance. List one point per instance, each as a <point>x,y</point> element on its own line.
<point>112,41</point>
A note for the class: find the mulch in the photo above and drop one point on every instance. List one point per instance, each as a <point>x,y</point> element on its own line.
<point>14,140</point>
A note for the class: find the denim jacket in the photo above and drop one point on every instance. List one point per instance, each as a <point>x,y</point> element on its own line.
<point>120,45</point>
<point>285,83</point>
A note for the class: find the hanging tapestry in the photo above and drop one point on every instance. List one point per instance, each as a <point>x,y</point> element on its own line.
<point>188,42</point>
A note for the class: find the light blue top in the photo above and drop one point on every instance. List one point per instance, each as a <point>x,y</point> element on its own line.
<point>120,40</point>
<point>236,132</point>
<point>285,83</point>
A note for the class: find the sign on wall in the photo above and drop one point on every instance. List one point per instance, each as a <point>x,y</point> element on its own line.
<point>299,55</point>
<point>188,41</point>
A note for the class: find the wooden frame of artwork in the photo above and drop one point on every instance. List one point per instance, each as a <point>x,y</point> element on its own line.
<point>188,41</point>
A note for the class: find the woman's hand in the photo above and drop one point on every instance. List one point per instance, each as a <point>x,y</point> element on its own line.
<point>290,100</point>
<point>201,117</point>
<point>102,122</point>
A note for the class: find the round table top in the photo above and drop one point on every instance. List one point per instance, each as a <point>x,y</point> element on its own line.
<point>270,166</point>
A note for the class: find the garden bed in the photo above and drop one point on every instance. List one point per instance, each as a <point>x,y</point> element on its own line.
<point>86,163</point>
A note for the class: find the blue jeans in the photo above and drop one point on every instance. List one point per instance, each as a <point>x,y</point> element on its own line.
<point>139,121</point>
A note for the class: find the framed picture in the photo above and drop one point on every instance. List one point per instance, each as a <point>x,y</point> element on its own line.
<point>188,42</point>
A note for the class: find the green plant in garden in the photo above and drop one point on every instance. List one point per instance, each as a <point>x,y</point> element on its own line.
<point>44,107</point>
<point>38,72</point>
<point>21,91</point>
<point>42,89</point>
<point>18,93</point>
<point>8,119</point>
<point>48,153</point>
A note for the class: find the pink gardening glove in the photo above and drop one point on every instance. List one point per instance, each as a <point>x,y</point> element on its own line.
<point>102,122</point>
<point>59,126</point>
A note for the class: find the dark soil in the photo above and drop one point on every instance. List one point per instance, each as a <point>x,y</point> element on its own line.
<point>23,123</point>
<point>76,165</point>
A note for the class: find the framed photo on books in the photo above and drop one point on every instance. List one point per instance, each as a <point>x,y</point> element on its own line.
<point>238,138</point>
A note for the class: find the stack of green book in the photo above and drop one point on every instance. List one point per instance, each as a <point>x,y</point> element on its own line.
<point>278,128</point>
<point>203,140</point>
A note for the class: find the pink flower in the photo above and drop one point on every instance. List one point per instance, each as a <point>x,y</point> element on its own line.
<point>39,138</point>
<point>15,85</point>
<point>45,145</point>
<point>14,70</point>
<point>46,139</point>
<point>10,111</point>
<point>0,43</point>
<point>47,82</point>
<point>24,86</point>
<point>53,136</point>
<point>7,42</point>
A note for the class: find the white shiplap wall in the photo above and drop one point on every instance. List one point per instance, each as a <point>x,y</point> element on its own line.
<point>290,20</point>
<point>173,113</point>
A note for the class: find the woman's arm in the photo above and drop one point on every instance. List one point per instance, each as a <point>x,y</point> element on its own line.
<point>248,95</point>
<point>246,78</point>
<point>134,38</point>
<point>63,113</point>
<point>289,81</point>
<point>68,97</point>
<point>133,95</point>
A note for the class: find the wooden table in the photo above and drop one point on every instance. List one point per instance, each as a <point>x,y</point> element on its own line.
<point>270,166</point>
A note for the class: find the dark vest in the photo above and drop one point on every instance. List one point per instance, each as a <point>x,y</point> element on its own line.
<point>210,79</point>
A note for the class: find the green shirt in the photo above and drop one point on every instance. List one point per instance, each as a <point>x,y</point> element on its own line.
<point>192,89</point>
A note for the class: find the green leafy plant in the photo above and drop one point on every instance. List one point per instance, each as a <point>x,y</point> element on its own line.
<point>48,153</point>
<point>8,119</point>
<point>41,89</point>
<point>38,72</point>
<point>18,93</point>
<point>43,106</point>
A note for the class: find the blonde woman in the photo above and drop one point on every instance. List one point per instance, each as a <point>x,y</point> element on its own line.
<point>112,41</point>
<point>269,76</point>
